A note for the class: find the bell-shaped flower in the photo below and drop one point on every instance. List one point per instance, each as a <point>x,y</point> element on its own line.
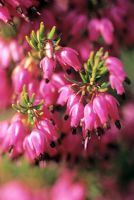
<point>68,57</point>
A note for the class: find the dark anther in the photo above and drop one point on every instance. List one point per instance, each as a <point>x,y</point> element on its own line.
<point>113,146</point>
<point>88,134</point>
<point>118,124</point>
<point>69,71</point>
<point>47,80</point>
<point>36,162</point>
<point>68,158</point>
<point>52,144</point>
<point>62,136</point>
<point>74,131</point>
<point>41,157</point>
<point>99,131</point>
<point>34,10</point>
<point>123,96</point>
<point>57,158</point>
<point>127,80</point>
<point>66,117</point>
<point>106,157</point>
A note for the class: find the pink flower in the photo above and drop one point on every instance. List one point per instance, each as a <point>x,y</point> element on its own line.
<point>89,117</point>
<point>106,29</point>
<point>65,188</point>
<point>14,137</point>
<point>68,57</point>
<point>99,112</point>
<point>14,191</point>
<point>4,14</point>
<point>73,99</point>
<point>76,113</point>
<point>115,67</point>
<point>103,27</point>
<point>116,84</point>
<point>93,29</point>
<point>117,74</point>
<point>35,144</point>
<point>5,90</point>
<point>48,65</point>
<point>21,76</point>
<point>49,92</point>
<point>100,108</point>
<point>65,92</point>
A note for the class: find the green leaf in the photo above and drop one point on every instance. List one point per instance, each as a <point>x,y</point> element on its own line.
<point>83,77</point>
<point>51,33</point>
<point>32,98</point>
<point>34,37</point>
<point>42,32</point>
<point>15,107</point>
<point>105,85</point>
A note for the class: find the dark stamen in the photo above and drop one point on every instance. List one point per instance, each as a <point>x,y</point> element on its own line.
<point>47,80</point>
<point>118,124</point>
<point>66,117</point>
<point>99,131</point>
<point>127,80</point>
<point>52,144</point>
<point>69,71</point>
<point>74,131</point>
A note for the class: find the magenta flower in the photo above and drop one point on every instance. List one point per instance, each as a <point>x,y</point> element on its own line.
<point>103,27</point>
<point>14,191</point>
<point>90,117</point>
<point>117,74</point>
<point>34,144</point>
<point>98,113</point>
<point>4,14</point>
<point>100,108</point>
<point>115,67</point>
<point>76,113</point>
<point>48,65</point>
<point>5,90</point>
<point>116,84</point>
<point>14,137</point>
<point>68,57</point>
<point>65,92</point>
<point>107,29</point>
<point>66,188</point>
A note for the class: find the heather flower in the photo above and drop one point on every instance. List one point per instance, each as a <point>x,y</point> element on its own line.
<point>101,27</point>
<point>50,52</point>
<point>4,14</point>
<point>66,188</point>
<point>14,137</point>
<point>65,92</point>
<point>76,113</point>
<point>5,90</point>
<point>14,191</point>
<point>40,140</point>
<point>68,57</point>
<point>10,50</point>
<point>48,66</point>
<point>117,74</point>
<point>98,113</point>
<point>34,144</point>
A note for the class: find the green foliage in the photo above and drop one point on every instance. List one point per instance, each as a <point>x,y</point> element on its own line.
<point>26,106</point>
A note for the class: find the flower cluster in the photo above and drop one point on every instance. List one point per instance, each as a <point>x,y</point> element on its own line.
<point>60,85</point>
<point>53,86</point>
